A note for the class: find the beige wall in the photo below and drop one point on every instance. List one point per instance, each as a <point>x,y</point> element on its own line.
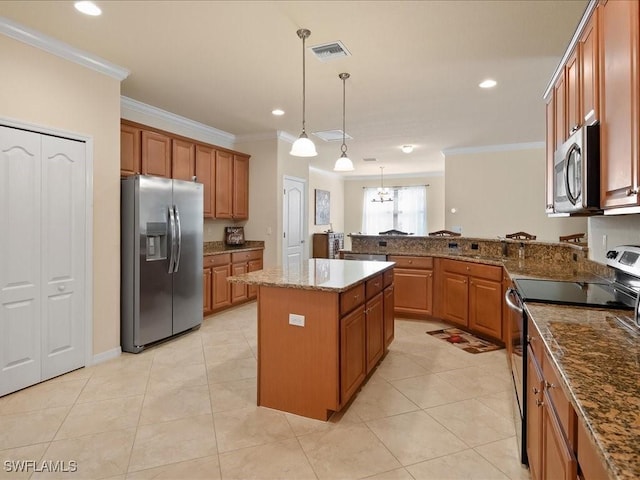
<point>606,233</point>
<point>353,200</point>
<point>496,193</point>
<point>334,184</point>
<point>43,89</point>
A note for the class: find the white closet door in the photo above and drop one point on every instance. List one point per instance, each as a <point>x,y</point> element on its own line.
<point>20,292</point>
<point>63,252</point>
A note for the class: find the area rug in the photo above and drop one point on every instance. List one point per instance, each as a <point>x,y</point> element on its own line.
<point>465,340</point>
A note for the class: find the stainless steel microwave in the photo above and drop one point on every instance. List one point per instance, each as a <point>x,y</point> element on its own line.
<point>576,175</point>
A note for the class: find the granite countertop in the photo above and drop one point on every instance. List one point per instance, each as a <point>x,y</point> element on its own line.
<point>599,362</point>
<point>218,248</point>
<point>315,274</point>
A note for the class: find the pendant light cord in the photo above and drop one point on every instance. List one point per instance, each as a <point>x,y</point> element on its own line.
<point>343,77</point>
<point>304,36</point>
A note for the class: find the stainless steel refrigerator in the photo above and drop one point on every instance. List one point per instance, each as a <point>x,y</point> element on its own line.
<point>161,254</point>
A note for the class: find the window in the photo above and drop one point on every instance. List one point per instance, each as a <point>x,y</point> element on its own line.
<point>407,212</point>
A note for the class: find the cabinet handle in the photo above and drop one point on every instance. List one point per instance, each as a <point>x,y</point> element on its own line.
<point>575,128</point>
<point>539,403</point>
<point>355,297</point>
<point>530,339</point>
<point>549,385</point>
<point>631,191</point>
<point>410,262</point>
<point>535,390</point>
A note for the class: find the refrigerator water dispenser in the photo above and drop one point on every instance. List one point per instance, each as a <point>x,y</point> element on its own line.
<point>156,241</point>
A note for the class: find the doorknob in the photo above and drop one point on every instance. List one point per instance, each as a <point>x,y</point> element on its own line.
<point>61,288</point>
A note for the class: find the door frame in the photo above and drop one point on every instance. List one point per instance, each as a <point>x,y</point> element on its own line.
<point>305,218</point>
<point>88,220</point>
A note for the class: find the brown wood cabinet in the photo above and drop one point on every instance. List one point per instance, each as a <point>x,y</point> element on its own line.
<point>413,279</point>
<point>374,313</point>
<point>224,185</point>
<point>240,204</point>
<point>353,356</point>
<point>239,291</point>
<point>471,296</point>
<point>129,150</point>
<point>560,108</point>
<point>389,315</point>
<point>619,87</point>
<point>534,401</point>
<point>590,71</point>
<point>207,306</point>
<point>573,116</point>
<point>183,160</point>
<point>205,163</point>
<point>252,266</point>
<point>156,154</point>
<point>550,150</point>
<point>327,245</point>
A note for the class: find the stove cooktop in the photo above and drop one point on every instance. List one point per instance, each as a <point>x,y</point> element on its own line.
<point>602,295</point>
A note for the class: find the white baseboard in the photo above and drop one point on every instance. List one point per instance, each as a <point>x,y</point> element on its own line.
<point>104,356</point>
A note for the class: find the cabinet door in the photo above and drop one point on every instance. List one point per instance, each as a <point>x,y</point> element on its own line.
<point>485,306</point>
<point>534,416</point>
<point>239,291</point>
<point>353,363</point>
<point>221,290</point>
<point>551,147</point>
<point>156,154</point>
<point>240,205</point>
<point>589,73</point>
<point>375,330</point>
<point>205,168</point>
<point>207,294</point>
<point>558,461</point>
<point>183,160</point>
<point>252,266</point>
<point>389,315</point>
<point>224,185</point>
<point>574,118</point>
<point>129,150</point>
<point>455,298</point>
<point>619,104</point>
<point>413,291</point>
<point>560,108</point>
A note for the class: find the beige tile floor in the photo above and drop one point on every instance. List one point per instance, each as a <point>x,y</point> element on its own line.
<point>186,409</point>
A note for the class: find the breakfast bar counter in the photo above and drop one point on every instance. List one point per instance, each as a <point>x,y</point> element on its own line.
<point>323,326</point>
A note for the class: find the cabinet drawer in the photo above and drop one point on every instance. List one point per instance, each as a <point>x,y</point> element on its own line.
<point>351,298</point>
<point>388,277</point>
<point>373,286</point>
<point>403,261</point>
<point>246,256</point>
<point>490,272</point>
<point>564,409</point>
<point>216,260</point>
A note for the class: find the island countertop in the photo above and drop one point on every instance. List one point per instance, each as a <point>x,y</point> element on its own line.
<point>315,274</point>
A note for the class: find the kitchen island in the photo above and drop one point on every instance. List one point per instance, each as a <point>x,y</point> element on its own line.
<point>322,328</point>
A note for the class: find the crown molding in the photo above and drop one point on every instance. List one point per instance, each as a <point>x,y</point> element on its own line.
<point>56,47</point>
<point>132,105</point>
<point>494,148</point>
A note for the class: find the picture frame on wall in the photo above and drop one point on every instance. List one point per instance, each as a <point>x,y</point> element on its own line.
<point>323,207</point>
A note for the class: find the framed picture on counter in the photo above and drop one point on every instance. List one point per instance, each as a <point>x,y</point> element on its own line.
<point>323,207</point>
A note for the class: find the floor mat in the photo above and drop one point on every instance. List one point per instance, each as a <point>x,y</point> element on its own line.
<point>465,340</point>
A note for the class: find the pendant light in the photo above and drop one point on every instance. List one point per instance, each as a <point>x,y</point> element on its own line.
<point>303,146</point>
<point>383,193</point>
<point>344,163</point>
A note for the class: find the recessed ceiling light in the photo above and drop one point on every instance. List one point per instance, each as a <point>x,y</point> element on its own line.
<point>88,8</point>
<point>277,112</point>
<point>407,148</point>
<point>488,83</point>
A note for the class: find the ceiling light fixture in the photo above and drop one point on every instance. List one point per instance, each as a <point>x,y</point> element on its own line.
<point>488,83</point>
<point>407,148</point>
<point>303,146</point>
<point>277,112</point>
<point>383,193</point>
<point>344,163</point>
<point>88,8</point>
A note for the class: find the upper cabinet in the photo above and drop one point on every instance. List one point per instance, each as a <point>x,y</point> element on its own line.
<point>589,71</point>
<point>223,173</point>
<point>550,148</point>
<point>619,89</point>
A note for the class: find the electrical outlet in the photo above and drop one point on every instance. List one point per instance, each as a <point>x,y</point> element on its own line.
<point>297,320</point>
<point>604,242</point>
<point>474,246</point>
<point>382,243</point>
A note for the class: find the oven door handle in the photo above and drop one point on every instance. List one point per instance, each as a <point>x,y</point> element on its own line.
<point>511,292</point>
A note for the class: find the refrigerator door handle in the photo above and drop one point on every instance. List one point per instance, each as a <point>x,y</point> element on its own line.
<point>172,232</point>
<point>178,231</point>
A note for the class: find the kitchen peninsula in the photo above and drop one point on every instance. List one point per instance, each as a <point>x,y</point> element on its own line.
<point>323,326</point>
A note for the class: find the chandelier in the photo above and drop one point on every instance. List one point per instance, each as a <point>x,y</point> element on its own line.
<point>383,194</point>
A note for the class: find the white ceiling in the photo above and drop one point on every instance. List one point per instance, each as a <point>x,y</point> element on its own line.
<point>415,67</point>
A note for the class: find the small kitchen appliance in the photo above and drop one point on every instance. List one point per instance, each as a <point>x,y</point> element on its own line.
<point>234,236</point>
<point>620,294</point>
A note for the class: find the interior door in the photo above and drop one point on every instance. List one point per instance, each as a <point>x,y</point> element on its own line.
<point>294,220</point>
<point>63,262</point>
<point>20,363</point>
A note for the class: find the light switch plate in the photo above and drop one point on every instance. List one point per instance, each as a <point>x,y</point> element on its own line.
<point>297,320</point>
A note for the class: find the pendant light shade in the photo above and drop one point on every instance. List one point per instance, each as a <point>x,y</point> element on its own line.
<point>303,146</point>
<point>344,163</point>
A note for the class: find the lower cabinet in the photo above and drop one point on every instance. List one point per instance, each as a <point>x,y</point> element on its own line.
<point>389,315</point>
<point>218,293</point>
<point>413,278</point>
<point>353,362</point>
<point>374,312</point>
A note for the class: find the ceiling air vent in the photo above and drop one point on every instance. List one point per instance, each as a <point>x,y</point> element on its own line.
<point>332,135</point>
<point>330,51</point>
<point>370,159</point>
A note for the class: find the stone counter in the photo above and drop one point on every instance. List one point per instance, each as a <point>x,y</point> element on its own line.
<point>219,248</point>
<point>599,362</point>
